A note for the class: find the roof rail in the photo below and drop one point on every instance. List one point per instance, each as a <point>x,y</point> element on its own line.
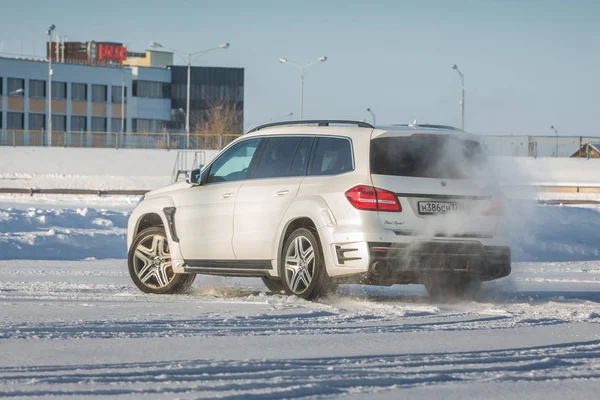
<point>319,122</point>
<point>431,126</point>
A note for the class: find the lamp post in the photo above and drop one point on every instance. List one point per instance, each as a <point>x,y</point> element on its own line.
<point>302,68</point>
<point>556,133</point>
<point>372,114</point>
<point>49,32</point>
<point>122,106</point>
<point>462,97</point>
<point>189,69</point>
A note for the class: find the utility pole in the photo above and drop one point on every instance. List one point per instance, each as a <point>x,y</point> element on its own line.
<point>462,97</point>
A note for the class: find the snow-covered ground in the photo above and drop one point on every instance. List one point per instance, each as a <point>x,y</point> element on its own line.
<point>73,325</point>
<point>80,328</point>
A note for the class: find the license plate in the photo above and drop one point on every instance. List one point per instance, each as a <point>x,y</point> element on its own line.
<point>439,207</point>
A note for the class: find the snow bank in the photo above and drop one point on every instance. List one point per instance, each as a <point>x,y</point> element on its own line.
<point>546,171</point>
<point>63,234</point>
<point>65,168</point>
<point>539,233</point>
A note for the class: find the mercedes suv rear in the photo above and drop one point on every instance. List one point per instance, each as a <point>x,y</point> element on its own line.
<point>306,207</point>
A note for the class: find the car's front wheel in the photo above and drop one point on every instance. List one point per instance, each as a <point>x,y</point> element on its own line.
<point>302,266</point>
<point>150,265</point>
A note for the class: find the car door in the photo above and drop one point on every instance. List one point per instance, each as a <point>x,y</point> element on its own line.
<point>204,214</point>
<point>262,201</point>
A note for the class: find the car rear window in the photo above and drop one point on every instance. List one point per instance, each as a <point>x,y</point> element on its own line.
<point>427,156</point>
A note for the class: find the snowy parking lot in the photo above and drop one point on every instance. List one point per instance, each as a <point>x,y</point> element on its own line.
<point>79,328</point>
<point>73,325</point>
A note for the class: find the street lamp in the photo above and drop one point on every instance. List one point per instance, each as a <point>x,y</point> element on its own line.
<point>18,91</point>
<point>372,114</point>
<point>462,97</point>
<point>49,33</point>
<point>556,133</point>
<point>190,55</point>
<point>302,68</point>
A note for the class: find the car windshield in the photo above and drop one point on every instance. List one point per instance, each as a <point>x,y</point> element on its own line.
<point>428,156</point>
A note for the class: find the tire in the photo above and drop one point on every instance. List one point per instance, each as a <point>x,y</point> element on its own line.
<point>453,289</point>
<point>302,266</point>
<point>150,265</point>
<point>273,285</point>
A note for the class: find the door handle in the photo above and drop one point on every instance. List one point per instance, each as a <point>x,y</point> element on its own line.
<point>282,192</point>
<point>226,195</point>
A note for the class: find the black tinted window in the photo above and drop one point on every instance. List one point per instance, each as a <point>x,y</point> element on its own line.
<point>277,157</point>
<point>300,163</point>
<point>332,156</point>
<point>427,156</point>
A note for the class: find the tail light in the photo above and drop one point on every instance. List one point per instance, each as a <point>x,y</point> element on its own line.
<point>364,197</point>
<point>496,205</point>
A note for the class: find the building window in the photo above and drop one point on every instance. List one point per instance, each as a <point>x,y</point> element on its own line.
<point>148,125</point>
<point>37,88</point>
<point>79,91</point>
<point>116,94</point>
<point>1,87</point>
<point>156,90</point>
<point>98,124</point>
<point>59,90</point>
<point>78,123</point>
<point>115,125</point>
<point>59,123</point>
<point>15,120</point>
<point>99,93</point>
<point>16,87</point>
<point>37,122</point>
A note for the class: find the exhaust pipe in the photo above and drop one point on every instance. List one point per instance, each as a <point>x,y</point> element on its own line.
<point>378,268</point>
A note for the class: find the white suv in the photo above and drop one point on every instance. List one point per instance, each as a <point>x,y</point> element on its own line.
<point>306,205</point>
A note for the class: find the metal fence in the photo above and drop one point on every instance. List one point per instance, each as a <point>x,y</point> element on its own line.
<point>117,140</point>
<point>540,146</point>
<point>495,145</point>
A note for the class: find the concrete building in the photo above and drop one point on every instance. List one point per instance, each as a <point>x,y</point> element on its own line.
<point>87,97</point>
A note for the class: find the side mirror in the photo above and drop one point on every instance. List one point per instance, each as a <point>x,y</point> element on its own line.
<point>193,177</point>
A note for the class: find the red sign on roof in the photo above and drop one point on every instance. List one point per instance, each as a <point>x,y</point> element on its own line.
<point>112,52</point>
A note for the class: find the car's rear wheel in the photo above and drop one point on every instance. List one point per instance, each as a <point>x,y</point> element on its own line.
<point>302,266</point>
<point>150,265</point>
<point>274,285</point>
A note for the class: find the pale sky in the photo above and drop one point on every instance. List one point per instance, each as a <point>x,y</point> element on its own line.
<point>527,64</point>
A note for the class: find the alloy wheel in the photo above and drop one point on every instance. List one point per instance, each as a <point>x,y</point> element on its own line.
<point>152,262</point>
<point>299,264</point>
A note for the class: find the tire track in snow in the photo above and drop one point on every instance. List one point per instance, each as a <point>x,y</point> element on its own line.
<point>296,378</point>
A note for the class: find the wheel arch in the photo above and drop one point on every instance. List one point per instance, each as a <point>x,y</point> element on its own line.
<point>148,220</point>
<point>148,213</point>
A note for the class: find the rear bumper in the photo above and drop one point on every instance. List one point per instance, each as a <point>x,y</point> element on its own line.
<point>418,262</point>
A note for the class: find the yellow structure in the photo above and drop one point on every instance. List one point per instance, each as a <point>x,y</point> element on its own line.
<point>152,58</point>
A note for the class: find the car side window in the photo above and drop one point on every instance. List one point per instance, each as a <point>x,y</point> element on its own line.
<point>332,156</point>
<point>234,163</point>
<point>300,162</point>
<point>277,157</point>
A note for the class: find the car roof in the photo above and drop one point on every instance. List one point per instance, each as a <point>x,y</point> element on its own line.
<point>353,129</point>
